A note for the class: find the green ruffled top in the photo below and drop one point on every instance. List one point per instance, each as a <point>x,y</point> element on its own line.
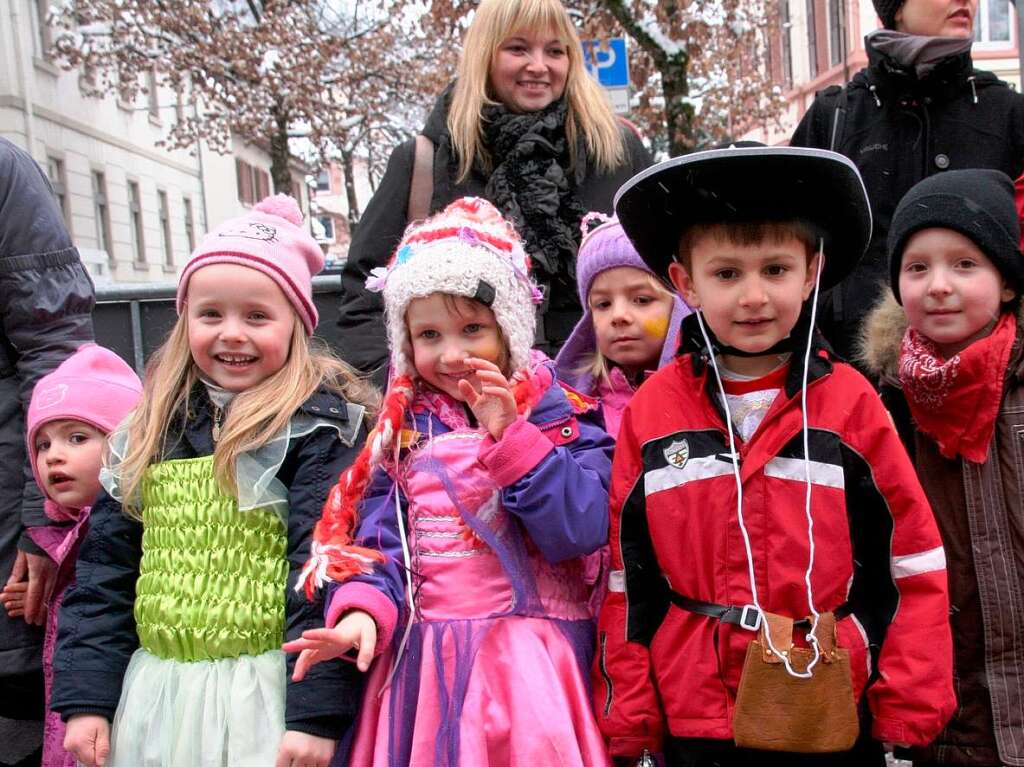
<point>212,578</point>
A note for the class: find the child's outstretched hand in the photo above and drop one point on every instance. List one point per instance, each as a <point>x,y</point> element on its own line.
<point>489,396</point>
<point>299,749</point>
<point>87,738</point>
<point>357,630</point>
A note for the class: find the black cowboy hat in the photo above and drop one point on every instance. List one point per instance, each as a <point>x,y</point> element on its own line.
<point>748,182</point>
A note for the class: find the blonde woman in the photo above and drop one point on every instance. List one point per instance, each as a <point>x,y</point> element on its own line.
<point>169,642</point>
<point>523,126</point>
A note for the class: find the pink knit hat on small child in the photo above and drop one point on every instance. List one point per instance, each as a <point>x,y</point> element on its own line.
<point>93,385</point>
<point>270,239</point>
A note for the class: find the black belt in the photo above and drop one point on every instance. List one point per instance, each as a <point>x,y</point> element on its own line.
<point>747,616</point>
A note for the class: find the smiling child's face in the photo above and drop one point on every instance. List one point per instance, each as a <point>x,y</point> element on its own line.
<point>751,294</point>
<point>444,331</point>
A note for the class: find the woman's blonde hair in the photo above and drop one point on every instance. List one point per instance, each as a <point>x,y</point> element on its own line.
<point>589,114</point>
<point>255,416</point>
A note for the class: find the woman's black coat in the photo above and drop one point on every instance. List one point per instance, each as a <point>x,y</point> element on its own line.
<point>899,129</point>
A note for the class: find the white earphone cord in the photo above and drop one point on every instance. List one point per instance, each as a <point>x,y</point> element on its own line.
<point>812,636</point>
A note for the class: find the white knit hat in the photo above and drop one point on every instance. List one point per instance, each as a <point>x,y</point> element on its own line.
<point>467,250</point>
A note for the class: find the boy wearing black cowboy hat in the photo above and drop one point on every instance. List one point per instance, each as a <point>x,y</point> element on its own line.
<point>759,482</point>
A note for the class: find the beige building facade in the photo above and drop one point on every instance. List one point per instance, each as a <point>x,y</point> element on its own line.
<point>135,210</point>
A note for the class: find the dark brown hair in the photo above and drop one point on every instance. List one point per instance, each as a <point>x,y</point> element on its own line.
<point>746,233</point>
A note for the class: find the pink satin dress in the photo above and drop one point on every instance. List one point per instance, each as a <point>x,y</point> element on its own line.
<point>496,666</point>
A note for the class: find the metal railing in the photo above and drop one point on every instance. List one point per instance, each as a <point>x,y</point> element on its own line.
<point>134,320</point>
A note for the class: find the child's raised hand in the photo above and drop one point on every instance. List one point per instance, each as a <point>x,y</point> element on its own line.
<point>299,749</point>
<point>489,396</point>
<point>87,738</point>
<point>357,630</point>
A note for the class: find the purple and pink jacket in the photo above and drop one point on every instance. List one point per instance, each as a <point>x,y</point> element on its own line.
<point>497,533</point>
<point>553,469</point>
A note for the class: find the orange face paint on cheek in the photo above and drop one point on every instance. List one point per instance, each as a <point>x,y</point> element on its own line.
<point>656,328</point>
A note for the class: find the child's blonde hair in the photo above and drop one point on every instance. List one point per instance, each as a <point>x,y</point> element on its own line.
<point>597,365</point>
<point>255,416</point>
<point>589,114</point>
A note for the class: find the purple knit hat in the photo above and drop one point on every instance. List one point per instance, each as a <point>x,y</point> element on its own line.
<point>605,246</point>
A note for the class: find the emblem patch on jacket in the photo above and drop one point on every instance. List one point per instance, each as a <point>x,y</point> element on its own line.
<point>677,453</point>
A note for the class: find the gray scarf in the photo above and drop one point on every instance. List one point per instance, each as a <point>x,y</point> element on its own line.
<point>916,52</point>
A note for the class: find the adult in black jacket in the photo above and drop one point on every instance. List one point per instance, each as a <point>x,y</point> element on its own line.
<point>46,300</point>
<point>525,127</point>
<point>919,108</point>
<point>97,634</point>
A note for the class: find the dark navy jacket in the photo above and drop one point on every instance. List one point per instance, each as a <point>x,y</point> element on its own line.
<point>46,301</point>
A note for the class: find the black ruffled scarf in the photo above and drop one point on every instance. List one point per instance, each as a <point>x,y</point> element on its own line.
<point>532,185</point>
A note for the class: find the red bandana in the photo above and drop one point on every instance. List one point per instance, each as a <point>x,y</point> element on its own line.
<point>956,401</point>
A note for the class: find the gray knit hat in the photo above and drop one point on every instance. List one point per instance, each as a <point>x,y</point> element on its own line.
<point>886,10</point>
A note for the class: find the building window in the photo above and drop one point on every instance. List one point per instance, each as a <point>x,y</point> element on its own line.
<point>253,182</point>
<point>785,27</point>
<point>323,181</point>
<point>40,26</point>
<point>165,228</point>
<point>101,211</point>
<point>328,225</point>
<point>59,182</point>
<point>152,95</point>
<point>190,226</point>
<point>836,32</point>
<point>812,41</point>
<point>992,24</point>
<point>135,219</point>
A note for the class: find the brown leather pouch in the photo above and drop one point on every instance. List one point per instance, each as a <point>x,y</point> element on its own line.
<point>776,711</point>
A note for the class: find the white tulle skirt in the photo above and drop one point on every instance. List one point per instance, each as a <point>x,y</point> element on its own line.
<point>223,713</point>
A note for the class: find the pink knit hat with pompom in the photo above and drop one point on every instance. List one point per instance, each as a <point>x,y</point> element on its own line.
<point>270,239</point>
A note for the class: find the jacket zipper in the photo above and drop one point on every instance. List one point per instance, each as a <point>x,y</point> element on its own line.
<point>604,673</point>
<point>218,421</point>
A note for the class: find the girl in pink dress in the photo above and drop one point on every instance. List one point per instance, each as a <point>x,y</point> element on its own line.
<point>479,494</point>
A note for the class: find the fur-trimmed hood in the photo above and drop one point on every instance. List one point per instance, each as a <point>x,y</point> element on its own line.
<point>881,335</point>
<point>878,343</point>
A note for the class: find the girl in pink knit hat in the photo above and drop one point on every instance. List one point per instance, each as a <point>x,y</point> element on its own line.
<point>72,411</point>
<point>169,645</point>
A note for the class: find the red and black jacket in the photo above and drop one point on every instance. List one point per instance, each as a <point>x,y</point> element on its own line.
<point>674,528</point>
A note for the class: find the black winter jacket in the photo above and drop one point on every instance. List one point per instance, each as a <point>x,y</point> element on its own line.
<point>96,635</point>
<point>898,130</point>
<point>363,340</point>
<point>46,300</point>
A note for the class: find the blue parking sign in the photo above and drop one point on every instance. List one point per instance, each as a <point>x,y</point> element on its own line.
<point>607,61</point>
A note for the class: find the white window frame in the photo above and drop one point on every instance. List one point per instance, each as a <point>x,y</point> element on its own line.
<point>981,23</point>
<point>835,58</point>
